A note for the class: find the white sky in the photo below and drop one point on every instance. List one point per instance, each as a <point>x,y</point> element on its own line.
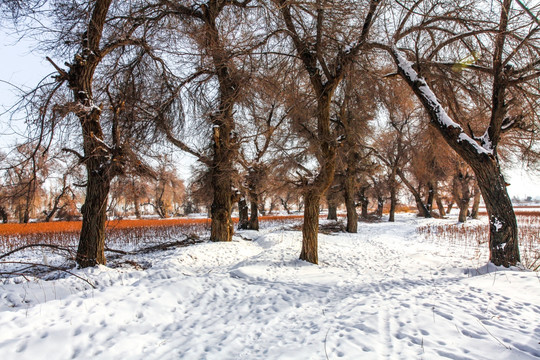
<point>24,69</point>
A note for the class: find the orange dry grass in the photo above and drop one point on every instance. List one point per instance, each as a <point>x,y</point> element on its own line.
<point>132,233</point>
<point>75,226</point>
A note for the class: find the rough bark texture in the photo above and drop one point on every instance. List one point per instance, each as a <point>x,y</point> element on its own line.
<point>332,212</point>
<point>310,228</point>
<point>254,215</point>
<point>352,216</point>
<point>243,215</point>
<point>476,202</point>
<point>364,202</point>
<point>99,168</point>
<point>393,203</point>
<point>224,143</point>
<point>380,206</point>
<point>91,250</point>
<point>3,215</point>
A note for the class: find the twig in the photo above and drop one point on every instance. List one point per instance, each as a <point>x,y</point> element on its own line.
<point>500,342</point>
<point>325,338</point>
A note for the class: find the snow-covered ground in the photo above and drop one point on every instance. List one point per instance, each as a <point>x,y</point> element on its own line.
<point>384,293</point>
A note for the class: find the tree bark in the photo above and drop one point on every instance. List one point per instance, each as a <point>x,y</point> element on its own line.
<point>243,216</point>
<point>91,250</point>
<point>393,202</point>
<point>380,206</point>
<point>3,215</point>
<point>310,228</point>
<point>352,216</point>
<point>364,202</point>
<point>476,202</point>
<point>332,212</point>
<point>254,215</point>
<point>221,209</point>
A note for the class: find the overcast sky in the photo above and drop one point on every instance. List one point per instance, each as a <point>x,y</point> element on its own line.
<point>24,69</point>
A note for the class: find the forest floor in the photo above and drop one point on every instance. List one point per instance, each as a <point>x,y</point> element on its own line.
<point>388,292</point>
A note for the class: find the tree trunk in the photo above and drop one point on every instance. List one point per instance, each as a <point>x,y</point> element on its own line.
<point>380,206</point>
<point>463,210</point>
<point>3,215</point>
<point>285,205</point>
<point>137,206</point>
<point>431,193</point>
<point>450,206</point>
<point>476,203</point>
<point>221,209</point>
<point>503,237</point>
<point>254,216</point>
<point>393,202</point>
<point>310,228</point>
<point>91,250</point>
<point>462,192</point>
<point>364,202</point>
<point>243,216</point>
<point>332,212</point>
<point>332,202</point>
<point>352,216</point>
<point>419,203</point>
<point>439,203</point>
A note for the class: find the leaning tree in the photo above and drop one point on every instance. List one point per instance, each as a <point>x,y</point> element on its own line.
<point>484,73</point>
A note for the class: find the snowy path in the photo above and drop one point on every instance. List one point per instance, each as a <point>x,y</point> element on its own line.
<point>380,294</point>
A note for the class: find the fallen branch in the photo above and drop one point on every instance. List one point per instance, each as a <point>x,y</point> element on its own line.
<point>36,245</point>
<point>47,266</point>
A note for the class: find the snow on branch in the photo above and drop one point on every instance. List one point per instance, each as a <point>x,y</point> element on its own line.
<point>438,115</point>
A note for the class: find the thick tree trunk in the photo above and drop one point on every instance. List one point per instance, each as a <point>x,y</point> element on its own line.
<point>380,206</point>
<point>254,216</point>
<point>476,202</point>
<point>503,237</point>
<point>310,228</point>
<point>364,202</point>
<point>450,206</point>
<point>221,209</point>
<point>439,203</point>
<point>352,216</point>
<point>91,250</point>
<point>463,210</point>
<point>393,203</point>
<point>243,216</point>
<point>3,215</point>
<point>332,212</point>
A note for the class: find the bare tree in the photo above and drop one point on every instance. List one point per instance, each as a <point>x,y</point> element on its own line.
<point>325,59</point>
<point>97,35</point>
<point>214,27</point>
<point>500,51</point>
